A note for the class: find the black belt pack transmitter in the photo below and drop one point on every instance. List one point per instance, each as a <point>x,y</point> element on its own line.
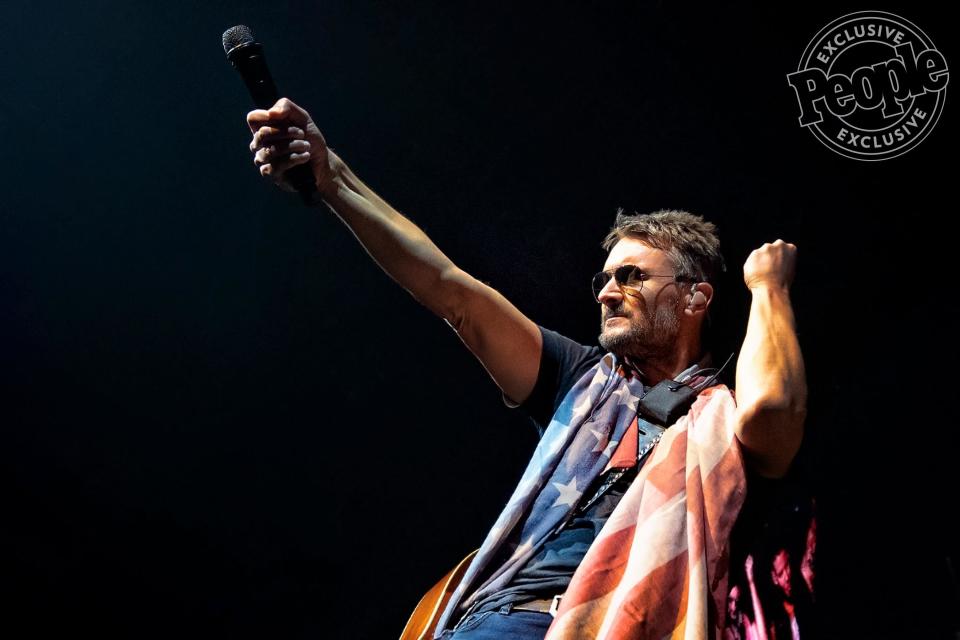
<point>667,401</point>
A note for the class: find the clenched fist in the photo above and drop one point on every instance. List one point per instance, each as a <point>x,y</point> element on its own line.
<point>285,136</point>
<point>773,264</point>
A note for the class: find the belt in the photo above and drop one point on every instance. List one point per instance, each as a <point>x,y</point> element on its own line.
<point>548,605</point>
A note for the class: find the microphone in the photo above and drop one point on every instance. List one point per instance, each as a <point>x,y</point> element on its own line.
<point>246,56</point>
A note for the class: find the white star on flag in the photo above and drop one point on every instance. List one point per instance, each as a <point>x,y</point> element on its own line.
<point>611,447</point>
<point>581,409</point>
<point>625,396</point>
<point>569,494</point>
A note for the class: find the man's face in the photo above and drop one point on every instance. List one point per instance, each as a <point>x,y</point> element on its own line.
<point>780,572</point>
<point>733,602</point>
<point>645,324</point>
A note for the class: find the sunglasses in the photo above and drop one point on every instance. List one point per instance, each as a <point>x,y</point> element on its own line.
<point>629,278</point>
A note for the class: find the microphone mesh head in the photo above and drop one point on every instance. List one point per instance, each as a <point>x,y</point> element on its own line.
<point>236,36</point>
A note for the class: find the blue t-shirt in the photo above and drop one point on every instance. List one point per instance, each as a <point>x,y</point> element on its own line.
<point>562,363</point>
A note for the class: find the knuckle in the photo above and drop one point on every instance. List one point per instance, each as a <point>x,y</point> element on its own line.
<point>254,118</point>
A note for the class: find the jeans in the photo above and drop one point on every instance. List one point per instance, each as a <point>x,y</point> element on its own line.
<point>501,623</point>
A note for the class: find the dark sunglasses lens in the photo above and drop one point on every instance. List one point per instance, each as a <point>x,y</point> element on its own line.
<point>599,282</point>
<point>628,276</point>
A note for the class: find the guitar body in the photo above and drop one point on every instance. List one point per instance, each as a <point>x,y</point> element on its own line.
<point>423,620</point>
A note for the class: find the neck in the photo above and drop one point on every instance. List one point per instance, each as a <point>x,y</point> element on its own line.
<point>655,369</point>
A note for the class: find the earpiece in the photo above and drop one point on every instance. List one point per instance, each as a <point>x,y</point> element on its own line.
<point>697,299</point>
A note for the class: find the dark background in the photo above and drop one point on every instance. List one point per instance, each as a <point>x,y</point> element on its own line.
<point>222,420</point>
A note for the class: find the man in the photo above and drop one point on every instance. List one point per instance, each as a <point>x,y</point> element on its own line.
<point>625,519</point>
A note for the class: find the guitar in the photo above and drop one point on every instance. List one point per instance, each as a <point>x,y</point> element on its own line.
<point>423,621</point>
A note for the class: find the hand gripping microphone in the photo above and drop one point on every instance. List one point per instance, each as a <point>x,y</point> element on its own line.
<point>246,56</point>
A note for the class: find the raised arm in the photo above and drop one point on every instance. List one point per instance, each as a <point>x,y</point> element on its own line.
<point>771,383</point>
<point>759,622</point>
<point>505,341</point>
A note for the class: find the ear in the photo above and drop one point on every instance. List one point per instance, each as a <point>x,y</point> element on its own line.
<point>699,298</point>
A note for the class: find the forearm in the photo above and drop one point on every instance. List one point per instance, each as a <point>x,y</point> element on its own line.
<point>395,243</point>
<point>759,621</point>
<point>771,382</point>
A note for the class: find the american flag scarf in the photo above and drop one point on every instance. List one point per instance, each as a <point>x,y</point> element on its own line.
<point>658,568</point>
<point>679,510</point>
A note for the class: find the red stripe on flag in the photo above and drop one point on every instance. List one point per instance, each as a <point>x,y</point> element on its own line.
<point>652,605</point>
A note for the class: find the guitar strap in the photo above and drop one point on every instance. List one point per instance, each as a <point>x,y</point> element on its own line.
<point>627,460</point>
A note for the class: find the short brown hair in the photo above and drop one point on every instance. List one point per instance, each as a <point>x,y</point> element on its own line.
<point>689,240</point>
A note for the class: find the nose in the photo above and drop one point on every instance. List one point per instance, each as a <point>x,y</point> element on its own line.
<point>610,295</point>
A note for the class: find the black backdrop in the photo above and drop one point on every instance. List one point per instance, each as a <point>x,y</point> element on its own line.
<point>222,419</point>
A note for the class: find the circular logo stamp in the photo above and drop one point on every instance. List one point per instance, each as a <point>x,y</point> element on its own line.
<point>870,85</point>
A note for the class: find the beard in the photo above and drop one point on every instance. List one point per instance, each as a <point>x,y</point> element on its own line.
<point>646,337</point>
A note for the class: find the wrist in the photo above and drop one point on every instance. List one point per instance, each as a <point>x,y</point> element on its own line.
<point>330,189</point>
<point>768,287</point>
<point>330,177</point>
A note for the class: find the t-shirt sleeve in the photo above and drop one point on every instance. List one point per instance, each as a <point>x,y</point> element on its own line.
<point>562,362</point>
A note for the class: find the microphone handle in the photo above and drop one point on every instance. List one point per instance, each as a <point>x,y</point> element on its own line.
<point>248,59</point>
